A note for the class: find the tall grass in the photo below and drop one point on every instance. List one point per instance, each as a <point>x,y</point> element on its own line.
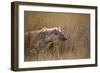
<point>76,28</point>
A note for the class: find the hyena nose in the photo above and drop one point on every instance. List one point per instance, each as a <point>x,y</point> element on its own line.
<point>64,39</point>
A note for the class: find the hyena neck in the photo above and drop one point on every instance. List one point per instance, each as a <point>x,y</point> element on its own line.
<point>44,43</point>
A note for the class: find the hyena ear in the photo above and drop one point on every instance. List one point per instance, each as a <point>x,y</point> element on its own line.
<point>59,28</point>
<point>44,29</point>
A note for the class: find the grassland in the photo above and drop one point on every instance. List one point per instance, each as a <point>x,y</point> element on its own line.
<point>76,28</point>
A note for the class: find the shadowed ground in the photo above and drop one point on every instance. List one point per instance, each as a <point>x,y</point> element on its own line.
<point>76,27</point>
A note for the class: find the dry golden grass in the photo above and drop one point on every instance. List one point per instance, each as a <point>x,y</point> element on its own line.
<point>76,28</point>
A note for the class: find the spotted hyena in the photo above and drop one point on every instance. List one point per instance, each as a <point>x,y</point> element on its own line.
<point>44,38</point>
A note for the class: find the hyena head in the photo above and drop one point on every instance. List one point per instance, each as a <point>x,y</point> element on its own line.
<point>52,34</point>
<point>57,34</point>
<point>48,35</point>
